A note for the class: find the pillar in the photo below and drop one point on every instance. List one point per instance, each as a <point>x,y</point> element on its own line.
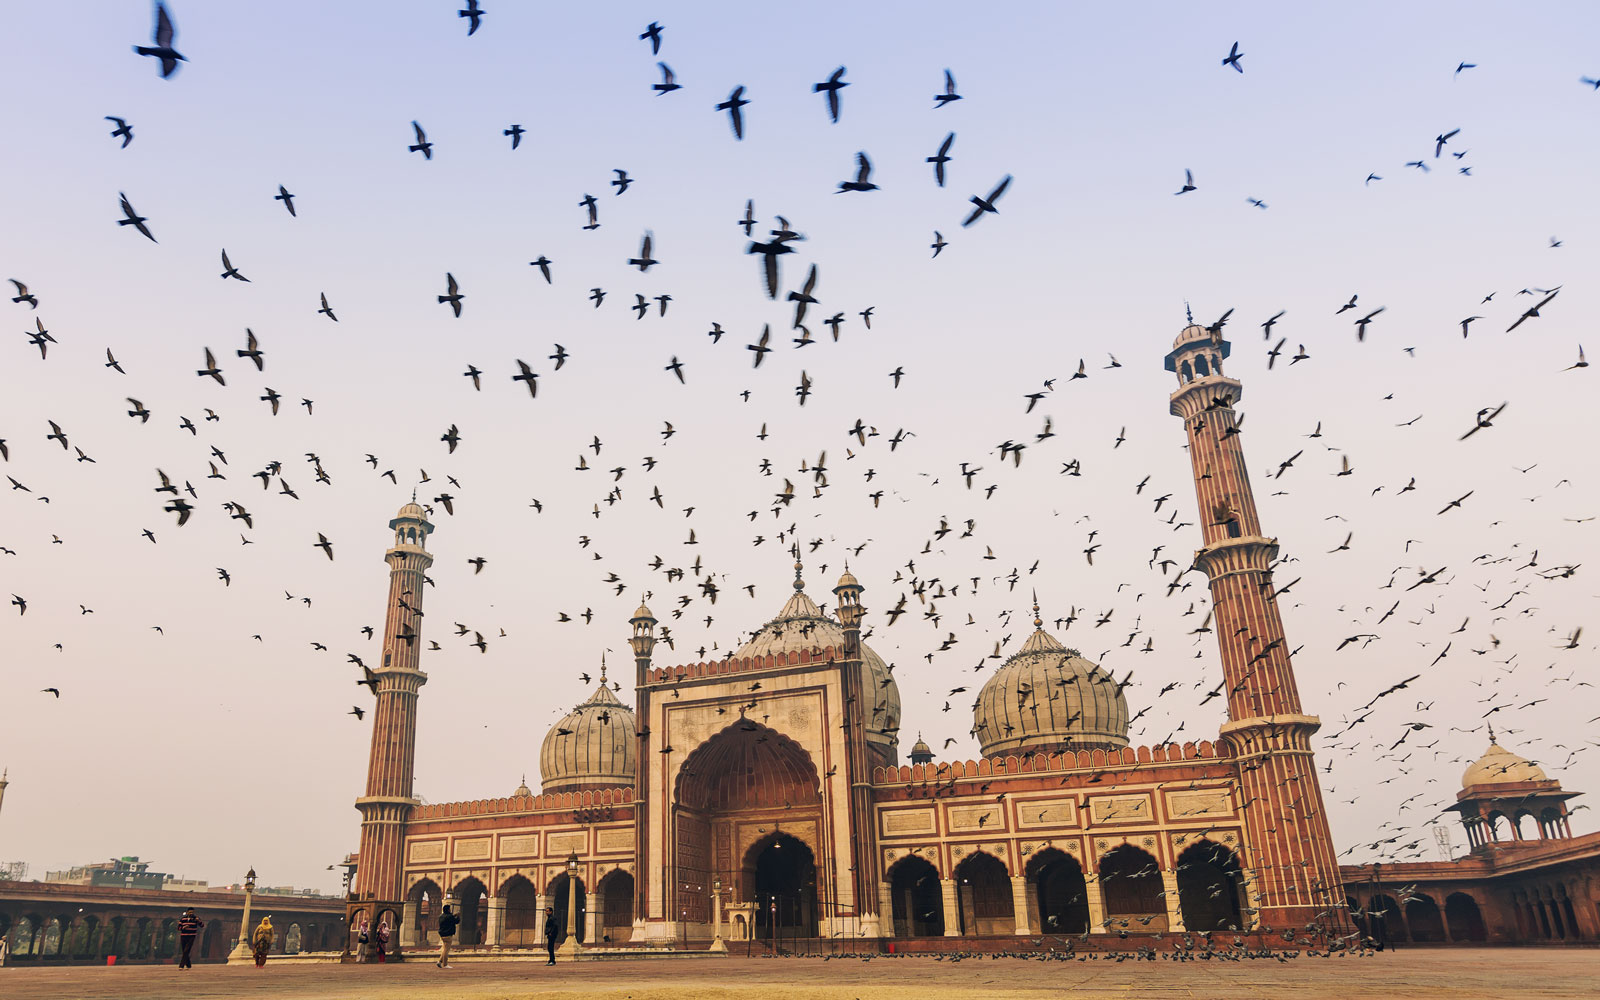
<point>408,925</point>
<point>540,902</point>
<point>591,918</point>
<point>952,918</point>
<point>1097,904</point>
<point>1169,883</point>
<point>886,910</point>
<point>1019,904</point>
<point>495,932</point>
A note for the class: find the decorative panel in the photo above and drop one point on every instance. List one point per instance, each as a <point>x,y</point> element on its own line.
<point>472,850</point>
<point>989,816</point>
<point>907,822</point>
<point>561,844</point>
<point>610,841</point>
<point>426,851</point>
<point>524,845</point>
<point>1203,802</point>
<point>1047,812</point>
<point>1120,809</point>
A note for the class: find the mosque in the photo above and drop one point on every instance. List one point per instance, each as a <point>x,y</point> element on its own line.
<point>762,797</point>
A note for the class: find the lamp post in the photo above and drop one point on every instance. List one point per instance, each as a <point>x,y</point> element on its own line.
<point>569,947</point>
<point>242,951</point>
<point>349,875</point>
<point>717,944</point>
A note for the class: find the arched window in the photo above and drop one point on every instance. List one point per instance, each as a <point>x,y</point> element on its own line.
<point>1208,888</point>
<point>1424,919</point>
<point>1464,918</point>
<point>1130,882</point>
<point>1185,373</point>
<point>1201,368</point>
<point>1060,893</point>
<point>522,913</point>
<point>983,896</point>
<point>918,902</point>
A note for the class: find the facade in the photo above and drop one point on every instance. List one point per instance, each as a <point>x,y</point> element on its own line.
<point>128,872</point>
<point>767,786</point>
<point>1525,879</point>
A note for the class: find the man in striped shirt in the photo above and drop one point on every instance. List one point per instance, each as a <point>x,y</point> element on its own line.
<point>188,926</point>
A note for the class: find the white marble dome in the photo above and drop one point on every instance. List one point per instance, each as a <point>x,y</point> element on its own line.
<point>1499,766</point>
<point>593,746</point>
<point>1047,697</point>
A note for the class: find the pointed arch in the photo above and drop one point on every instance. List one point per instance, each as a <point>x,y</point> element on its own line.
<point>917,899</point>
<point>1058,892</point>
<point>983,895</point>
<point>1209,878</point>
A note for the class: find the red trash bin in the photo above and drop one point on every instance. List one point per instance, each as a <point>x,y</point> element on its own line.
<point>111,960</point>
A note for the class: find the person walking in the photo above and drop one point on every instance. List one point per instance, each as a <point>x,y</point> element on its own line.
<point>363,941</point>
<point>261,940</point>
<point>380,941</point>
<point>551,932</point>
<point>447,932</point>
<point>188,926</point>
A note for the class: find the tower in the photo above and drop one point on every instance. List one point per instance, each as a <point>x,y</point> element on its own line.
<point>387,803</point>
<point>1292,859</point>
<point>643,641</point>
<point>864,858</point>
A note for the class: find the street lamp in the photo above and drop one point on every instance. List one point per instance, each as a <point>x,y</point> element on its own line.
<point>242,951</point>
<point>717,944</point>
<point>569,947</point>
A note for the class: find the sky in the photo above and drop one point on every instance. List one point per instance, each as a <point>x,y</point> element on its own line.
<point>202,726</point>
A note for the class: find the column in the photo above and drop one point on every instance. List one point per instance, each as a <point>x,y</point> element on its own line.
<point>408,926</point>
<point>1097,904</point>
<point>1019,903</point>
<point>540,902</point>
<point>591,919</point>
<point>497,918</point>
<point>952,919</point>
<point>886,910</point>
<point>1169,883</point>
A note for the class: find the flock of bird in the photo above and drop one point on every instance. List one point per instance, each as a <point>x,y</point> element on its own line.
<point>929,584</point>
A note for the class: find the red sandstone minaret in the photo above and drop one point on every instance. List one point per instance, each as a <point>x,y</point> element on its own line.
<point>865,863</point>
<point>1291,858</point>
<point>643,641</point>
<point>387,803</point>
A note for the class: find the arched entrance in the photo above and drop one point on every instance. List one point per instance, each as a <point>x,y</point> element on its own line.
<point>616,907</point>
<point>983,896</point>
<point>557,891</point>
<point>521,923</point>
<point>1386,920</point>
<point>1424,920</point>
<point>469,895</point>
<point>780,875</point>
<point>1060,895</point>
<point>1208,888</point>
<point>421,916</point>
<point>1130,882</point>
<point>1464,918</point>
<point>733,795</point>
<point>916,897</point>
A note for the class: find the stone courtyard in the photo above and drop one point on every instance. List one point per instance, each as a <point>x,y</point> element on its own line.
<point>1454,973</point>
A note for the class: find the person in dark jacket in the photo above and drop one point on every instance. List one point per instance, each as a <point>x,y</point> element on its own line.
<point>551,932</point>
<point>447,933</point>
<point>188,926</point>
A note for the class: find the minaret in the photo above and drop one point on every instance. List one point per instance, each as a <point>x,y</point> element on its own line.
<point>388,801</point>
<point>643,641</point>
<point>864,859</point>
<point>1291,854</point>
<point>3,784</point>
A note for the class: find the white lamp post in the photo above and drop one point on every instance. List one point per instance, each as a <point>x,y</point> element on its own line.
<point>717,944</point>
<point>569,947</point>
<point>242,952</point>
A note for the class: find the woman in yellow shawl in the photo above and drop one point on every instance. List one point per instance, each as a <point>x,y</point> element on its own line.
<point>261,941</point>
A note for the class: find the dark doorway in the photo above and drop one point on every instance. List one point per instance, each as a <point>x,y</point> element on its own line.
<point>522,914</point>
<point>470,911</point>
<point>1208,888</point>
<point>918,900</point>
<point>1130,882</point>
<point>1060,891</point>
<point>1464,918</point>
<point>1422,917</point>
<point>616,907</point>
<point>782,877</point>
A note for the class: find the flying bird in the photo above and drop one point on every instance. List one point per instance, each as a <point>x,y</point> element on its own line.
<point>1188,183</point>
<point>162,49</point>
<point>134,219</point>
<point>831,87</point>
<point>940,158</point>
<point>453,294</point>
<point>1233,58</point>
<point>123,129</point>
<point>284,196</point>
<point>229,271</point>
<point>987,204</point>
<point>940,100</point>
<point>326,309</point>
<point>732,105</point>
<point>474,15</point>
<point>653,34</point>
<point>669,81</point>
<point>422,145</point>
<point>863,171</point>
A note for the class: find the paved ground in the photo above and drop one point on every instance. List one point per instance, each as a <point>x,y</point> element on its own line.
<point>1451,973</point>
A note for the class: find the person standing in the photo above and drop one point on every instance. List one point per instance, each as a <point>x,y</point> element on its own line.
<point>447,932</point>
<point>363,941</point>
<point>380,941</point>
<point>188,926</point>
<point>551,932</point>
<point>261,940</point>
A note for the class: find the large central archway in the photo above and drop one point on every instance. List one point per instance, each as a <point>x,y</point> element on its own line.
<point>780,877</point>
<point>734,795</point>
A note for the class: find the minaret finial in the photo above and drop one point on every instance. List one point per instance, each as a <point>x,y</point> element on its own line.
<point>1491,733</point>
<point>799,583</point>
<point>1187,312</point>
<point>1037,621</point>
<point>602,669</point>
<point>413,494</point>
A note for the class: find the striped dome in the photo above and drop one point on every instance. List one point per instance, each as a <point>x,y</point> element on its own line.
<point>593,746</point>
<point>1047,697</point>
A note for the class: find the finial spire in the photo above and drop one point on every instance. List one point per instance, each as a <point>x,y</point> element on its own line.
<point>799,583</point>
<point>1037,621</point>
<point>413,494</point>
<point>602,668</point>
<point>1187,312</point>
<point>1491,733</point>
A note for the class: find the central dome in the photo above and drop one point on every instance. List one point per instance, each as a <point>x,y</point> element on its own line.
<point>593,746</point>
<point>1047,697</point>
<point>802,625</point>
<point>1499,766</point>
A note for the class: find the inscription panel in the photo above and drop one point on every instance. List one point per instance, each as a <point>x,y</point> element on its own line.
<point>612,841</point>
<point>521,846</point>
<point>907,822</point>
<point>423,852</point>
<point>1051,812</point>
<point>1120,808</point>
<point>1202,802</point>
<point>472,850</point>
<point>984,817</point>
<point>557,844</point>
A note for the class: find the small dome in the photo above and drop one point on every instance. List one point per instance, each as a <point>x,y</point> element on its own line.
<point>522,789</point>
<point>921,753</point>
<point>1046,697</point>
<point>412,510</point>
<point>847,580</point>
<point>801,625</point>
<point>643,611</point>
<point>593,746</point>
<point>1190,334</point>
<point>1499,766</point>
